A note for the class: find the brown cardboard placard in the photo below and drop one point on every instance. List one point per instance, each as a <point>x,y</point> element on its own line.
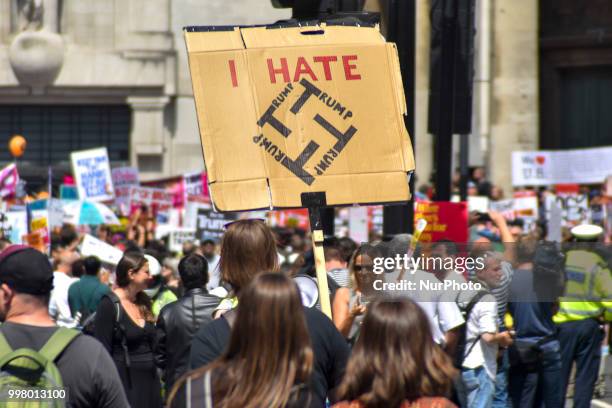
<point>283,111</point>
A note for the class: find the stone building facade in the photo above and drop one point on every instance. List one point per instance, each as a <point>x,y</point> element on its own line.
<point>84,73</point>
<point>115,73</point>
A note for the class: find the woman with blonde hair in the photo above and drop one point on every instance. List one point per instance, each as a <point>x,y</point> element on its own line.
<point>269,358</point>
<point>350,303</point>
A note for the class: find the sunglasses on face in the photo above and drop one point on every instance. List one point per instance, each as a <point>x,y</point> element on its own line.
<point>363,268</point>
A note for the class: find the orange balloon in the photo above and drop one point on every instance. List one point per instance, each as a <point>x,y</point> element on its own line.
<point>17,145</point>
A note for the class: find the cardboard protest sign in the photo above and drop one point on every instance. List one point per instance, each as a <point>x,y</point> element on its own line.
<point>321,110</point>
<point>157,199</point>
<point>92,173</point>
<point>445,220</point>
<point>123,179</point>
<point>210,224</point>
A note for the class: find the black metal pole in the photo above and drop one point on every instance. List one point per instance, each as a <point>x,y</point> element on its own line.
<point>464,155</point>
<point>444,136</point>
<point>398,219</point>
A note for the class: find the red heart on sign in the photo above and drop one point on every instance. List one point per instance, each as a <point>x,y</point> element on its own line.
<point>540,159</point>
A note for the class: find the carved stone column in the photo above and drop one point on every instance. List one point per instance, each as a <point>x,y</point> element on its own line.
<point>149,137</point>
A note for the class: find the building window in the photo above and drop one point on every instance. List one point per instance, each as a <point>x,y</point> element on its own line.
<point>53,131</point>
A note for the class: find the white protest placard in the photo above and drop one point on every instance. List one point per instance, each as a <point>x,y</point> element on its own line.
<point>475,203</point>
<point>358,224</point>
<point>195,184</point>
<point>555,222</point>
<point>549,167</point>
<point>123,179</point>
<point>191,213</point>
<point>14,225</point>
<point>178,236</point>
<point>155,198</point>
<point>574,208</point>
<point>504,207</point>
<point>100,249</point>
<point>92,174</point>
<point>55,212</point>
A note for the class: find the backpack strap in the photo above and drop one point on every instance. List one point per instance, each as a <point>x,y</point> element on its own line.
<point>468,311</point>
<point>5,348</point>
<point>122,333</point>
<point>116,302</point>
<point>58,342</point>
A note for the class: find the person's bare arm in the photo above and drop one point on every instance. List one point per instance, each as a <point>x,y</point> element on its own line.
<point>504,338</point>
<point>451,338</point>
<point>343,317</point>
<point>506,236</point>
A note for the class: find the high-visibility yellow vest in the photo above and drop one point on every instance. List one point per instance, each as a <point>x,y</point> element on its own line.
<point>588,290</point>
<point>164,298</point>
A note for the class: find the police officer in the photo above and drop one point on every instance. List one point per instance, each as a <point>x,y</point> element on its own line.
<point>160,295</point>
<point>584,308</point>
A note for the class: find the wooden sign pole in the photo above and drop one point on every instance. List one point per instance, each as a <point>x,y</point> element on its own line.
<point>314,202</point>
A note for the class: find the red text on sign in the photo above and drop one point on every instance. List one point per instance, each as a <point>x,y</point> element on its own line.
<point>279,70</point>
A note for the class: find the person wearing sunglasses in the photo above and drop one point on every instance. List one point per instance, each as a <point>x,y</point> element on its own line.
<point>350,303</point>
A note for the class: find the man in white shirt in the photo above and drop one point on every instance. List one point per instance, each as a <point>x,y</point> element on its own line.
<point>444,316</point>
<point>479,365</point>
<point>64,253</point>
<point>207,248</point>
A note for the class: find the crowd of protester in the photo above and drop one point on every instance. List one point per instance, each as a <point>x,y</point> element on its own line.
<point>237,322</point>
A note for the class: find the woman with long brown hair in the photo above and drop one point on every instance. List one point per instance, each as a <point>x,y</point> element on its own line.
<point>248,249</point>
<point>125,325</point>
<point>269,359</point>
<point>395,362</point>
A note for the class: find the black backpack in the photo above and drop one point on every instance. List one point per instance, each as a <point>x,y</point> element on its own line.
<point>462,346</point>
<point>549,276</point>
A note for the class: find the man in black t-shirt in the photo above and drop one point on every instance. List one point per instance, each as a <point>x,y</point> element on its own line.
<point>330,350</point>
<point>88,373</point>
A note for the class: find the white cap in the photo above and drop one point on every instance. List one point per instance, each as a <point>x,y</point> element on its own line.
<point>586,231</point>
<point>154,266</point>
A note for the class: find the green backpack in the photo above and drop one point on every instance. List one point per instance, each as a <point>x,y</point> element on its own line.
<point>34,372</point>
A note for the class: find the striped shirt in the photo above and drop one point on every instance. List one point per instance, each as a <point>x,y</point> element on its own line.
<point>341,276</point>
<point>501,292</point>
